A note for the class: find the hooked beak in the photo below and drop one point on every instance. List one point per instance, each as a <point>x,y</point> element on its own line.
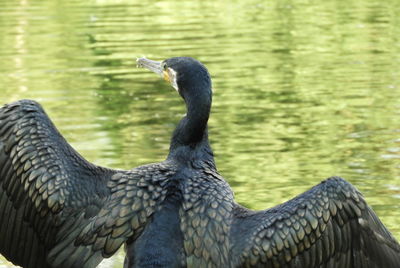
<point>154,66</point>
<point>168,74</point>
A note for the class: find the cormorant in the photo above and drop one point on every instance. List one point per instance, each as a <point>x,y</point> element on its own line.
<point>59,210</point>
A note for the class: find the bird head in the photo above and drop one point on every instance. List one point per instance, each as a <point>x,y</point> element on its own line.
<point>188,76</point>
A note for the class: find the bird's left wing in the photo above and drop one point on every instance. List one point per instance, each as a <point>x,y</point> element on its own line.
<point>328,226</point>
<point>45,185</point>
<point>56,208</point>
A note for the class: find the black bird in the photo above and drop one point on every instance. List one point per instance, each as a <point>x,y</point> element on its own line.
<point>58,210</point>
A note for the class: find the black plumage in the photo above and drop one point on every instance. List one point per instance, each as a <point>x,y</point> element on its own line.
<point>58,210</point>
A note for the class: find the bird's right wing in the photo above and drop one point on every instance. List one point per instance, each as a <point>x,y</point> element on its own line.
<point>328,226</point>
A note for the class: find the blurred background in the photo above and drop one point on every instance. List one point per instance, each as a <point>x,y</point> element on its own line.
<point>303,90</point>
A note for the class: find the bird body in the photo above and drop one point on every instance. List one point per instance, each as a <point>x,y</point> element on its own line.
<point>59,210</point>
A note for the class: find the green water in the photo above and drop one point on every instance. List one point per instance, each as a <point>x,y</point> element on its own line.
<point>303,90</point>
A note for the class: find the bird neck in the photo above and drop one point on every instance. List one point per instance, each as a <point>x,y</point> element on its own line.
<point>190,139</point>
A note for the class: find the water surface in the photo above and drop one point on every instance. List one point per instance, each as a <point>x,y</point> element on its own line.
<point>303,90</point>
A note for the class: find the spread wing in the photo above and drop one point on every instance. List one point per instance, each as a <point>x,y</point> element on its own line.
<point>328,226</point>
<point>55,207</point>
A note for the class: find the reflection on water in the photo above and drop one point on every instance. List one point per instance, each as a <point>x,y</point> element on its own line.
<point>302,91</point>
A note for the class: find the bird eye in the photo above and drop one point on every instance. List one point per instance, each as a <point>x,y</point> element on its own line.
<point>164,66</point>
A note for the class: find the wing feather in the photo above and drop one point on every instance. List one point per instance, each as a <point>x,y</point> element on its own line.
<point>43,181</point>
<point>135,197</point>
<point>329,226</point>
